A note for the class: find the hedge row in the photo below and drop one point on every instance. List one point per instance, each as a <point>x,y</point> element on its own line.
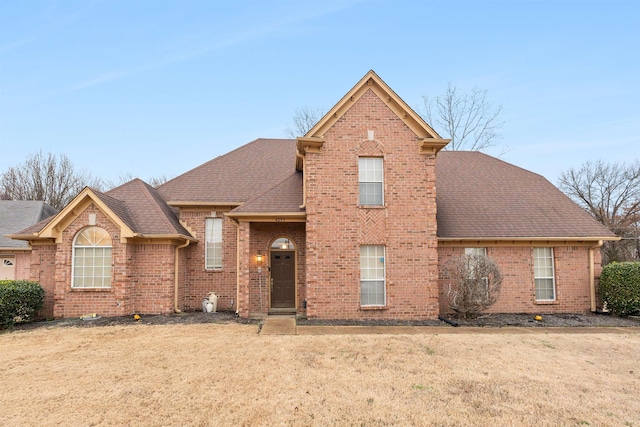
<point>19,301</point>
<point>620,287</point>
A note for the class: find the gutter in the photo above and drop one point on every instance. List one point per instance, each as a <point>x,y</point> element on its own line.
<point>592,275</point>
<point>176,276</point>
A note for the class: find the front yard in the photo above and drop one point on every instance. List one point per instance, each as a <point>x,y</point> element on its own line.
<point>227,374</point>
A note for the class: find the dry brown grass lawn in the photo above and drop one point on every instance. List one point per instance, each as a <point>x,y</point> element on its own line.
<point>226,374</point>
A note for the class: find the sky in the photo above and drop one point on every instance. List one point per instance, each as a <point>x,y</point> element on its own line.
<point>151,88</point>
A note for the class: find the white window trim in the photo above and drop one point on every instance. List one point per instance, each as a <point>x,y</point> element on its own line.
<point>73,260</point>
<point>381,181</point>
<point>552,277</point>
<point>207,247</point>
<point>384,278</point>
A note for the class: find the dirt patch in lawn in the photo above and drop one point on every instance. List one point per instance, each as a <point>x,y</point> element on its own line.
<point>227,374</point>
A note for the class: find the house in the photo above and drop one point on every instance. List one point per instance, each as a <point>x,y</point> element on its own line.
<point>15,255</point>
<point>353,220</point>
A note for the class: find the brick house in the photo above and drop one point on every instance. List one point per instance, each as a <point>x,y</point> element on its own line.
<point>354,220</point>
<point>15,255</point>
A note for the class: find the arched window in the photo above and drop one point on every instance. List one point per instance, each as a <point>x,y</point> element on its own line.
<point>92,259</point>
<point>283,244</point>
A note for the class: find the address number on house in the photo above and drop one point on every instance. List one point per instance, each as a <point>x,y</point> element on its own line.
<point>281,219</point>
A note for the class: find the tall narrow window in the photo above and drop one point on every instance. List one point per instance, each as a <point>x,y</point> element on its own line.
<point>213,244</point>
<point>92,259</point>
<point>372,275</point>
<point>543,274</point>
<point>370,177</point>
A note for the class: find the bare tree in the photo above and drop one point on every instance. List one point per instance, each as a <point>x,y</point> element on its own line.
<point>611,193</point>
<point>474,284</point>
<point>45,177</point>
<point>468,119</point>
<point>303,120</point>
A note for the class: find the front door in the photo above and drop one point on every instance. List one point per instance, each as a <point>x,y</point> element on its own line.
<point>283,279</point>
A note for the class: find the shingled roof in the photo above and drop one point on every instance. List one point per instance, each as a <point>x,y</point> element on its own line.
<point>236,176</point>
<point>143,210</point>
<point>17,215</point>
<point>284,197</point>
<point>480,197</point>
<point>137,204</point>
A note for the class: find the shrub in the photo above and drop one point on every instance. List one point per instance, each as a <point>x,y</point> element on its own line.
<point>620,287</point>
<point>19,301</point>
<point>475,282</point>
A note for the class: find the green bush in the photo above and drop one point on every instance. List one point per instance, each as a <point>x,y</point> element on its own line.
<point>620,287</point>
<point>19,301</point>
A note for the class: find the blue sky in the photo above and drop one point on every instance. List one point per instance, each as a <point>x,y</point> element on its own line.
<point>153,87</point>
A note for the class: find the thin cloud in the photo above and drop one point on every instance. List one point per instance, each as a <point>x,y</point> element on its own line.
<point>184,54</point>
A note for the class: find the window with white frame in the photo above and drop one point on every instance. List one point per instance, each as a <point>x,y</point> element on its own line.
<point>543,273</point>
<point>370,178</point>
<point>92,259</point>
<point>372,275</point>
<point>475,251</point>
<point>213,244</point>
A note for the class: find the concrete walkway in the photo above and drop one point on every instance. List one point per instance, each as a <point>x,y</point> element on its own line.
<point>286,325</point>
<point>279,325</point>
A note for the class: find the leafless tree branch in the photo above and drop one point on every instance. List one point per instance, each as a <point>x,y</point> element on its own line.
<point>468,119</point>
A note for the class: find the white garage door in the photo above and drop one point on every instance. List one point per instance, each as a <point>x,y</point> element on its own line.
<point>7,268</point>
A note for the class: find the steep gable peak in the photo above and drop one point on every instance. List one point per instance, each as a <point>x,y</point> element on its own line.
<point>313,140</point>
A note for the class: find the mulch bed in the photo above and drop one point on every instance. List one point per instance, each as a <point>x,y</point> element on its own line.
<point>489,320</point>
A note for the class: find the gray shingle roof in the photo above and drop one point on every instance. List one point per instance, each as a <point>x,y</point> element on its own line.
<point>16,215</point>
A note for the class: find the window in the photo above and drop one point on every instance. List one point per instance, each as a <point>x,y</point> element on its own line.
<point>91,259</point>
<point>475,251</point>
<point>371,181</point>
<point>372,275</point>
<point>213,244</point>
<point>543,274</point>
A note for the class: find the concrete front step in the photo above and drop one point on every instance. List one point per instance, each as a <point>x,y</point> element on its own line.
<point>279,325</point>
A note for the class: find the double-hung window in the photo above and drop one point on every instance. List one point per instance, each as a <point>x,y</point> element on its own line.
<point>372,276</point>
<point>370,178</point>
<point>543,273</point>
<point>213,244</point>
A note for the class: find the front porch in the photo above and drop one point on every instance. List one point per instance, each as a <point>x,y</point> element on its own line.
<point>271,268</point>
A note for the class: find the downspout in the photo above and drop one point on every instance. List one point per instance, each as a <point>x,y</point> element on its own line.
<point>592,276</point>
<point>177,270</point>
<point>304,181</point>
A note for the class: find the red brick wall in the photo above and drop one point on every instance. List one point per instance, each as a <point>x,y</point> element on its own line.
<point>115,301</point>
<point>152,278</point>
<point>336,226</point>
<point>518,292</point>
<point>22,264</point>
<point>262,235</point>
<point>198,281</point>
<point>42,270</point>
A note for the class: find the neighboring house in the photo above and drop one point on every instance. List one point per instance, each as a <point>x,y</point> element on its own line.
<point>354,220</point>
<point>15,255</point>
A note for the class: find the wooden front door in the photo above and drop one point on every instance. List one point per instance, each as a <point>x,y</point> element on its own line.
<point>283,279</point>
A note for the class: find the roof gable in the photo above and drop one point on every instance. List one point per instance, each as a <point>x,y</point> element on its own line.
<point>313,140</point>
<point>135,208</point>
